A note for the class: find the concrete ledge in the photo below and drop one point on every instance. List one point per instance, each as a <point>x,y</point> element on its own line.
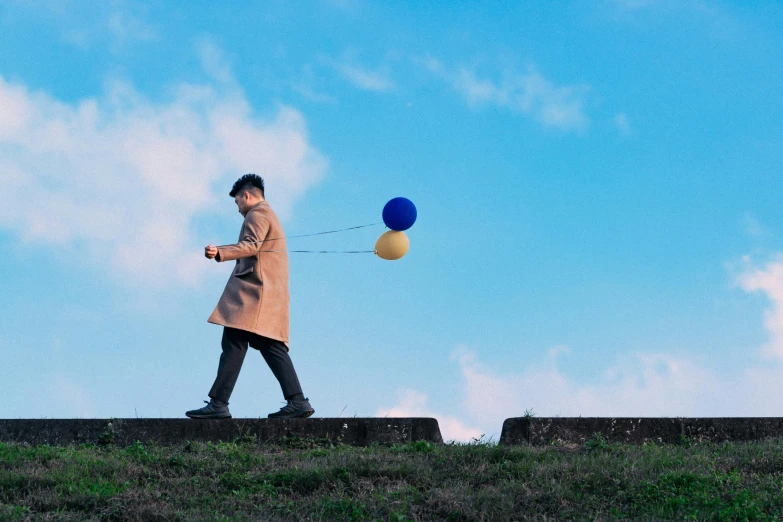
<point>637,430</point>
<point>355,431</point>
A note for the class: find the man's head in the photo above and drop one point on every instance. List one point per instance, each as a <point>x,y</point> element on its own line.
<point>247,192</point>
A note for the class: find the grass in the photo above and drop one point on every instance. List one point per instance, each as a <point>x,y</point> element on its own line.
<point>312,480</point>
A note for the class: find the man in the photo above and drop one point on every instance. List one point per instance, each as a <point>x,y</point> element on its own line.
<point>253,309</point>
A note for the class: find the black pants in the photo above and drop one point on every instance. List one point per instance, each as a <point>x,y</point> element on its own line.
<point>235,343</point>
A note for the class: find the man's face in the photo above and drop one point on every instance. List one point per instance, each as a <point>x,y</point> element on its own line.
<point>241,200</point>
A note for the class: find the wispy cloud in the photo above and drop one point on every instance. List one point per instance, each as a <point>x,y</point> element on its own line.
<point>110,25</point>
<point>304,86</point>
<point>214,63</point>
<point>528,93</point>
<point>698,14</point>
<point>622,124</point>
<point>753,226</point>
<point>126,26</point>
<point>308,92</point>
<point>364,78</point>
<point>119,180</point>
<point>359,76</point>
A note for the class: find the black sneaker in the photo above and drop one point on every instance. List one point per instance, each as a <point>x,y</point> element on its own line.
<point>293,409</point>
<point>210,411</point>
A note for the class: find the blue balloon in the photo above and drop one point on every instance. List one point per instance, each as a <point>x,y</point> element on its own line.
<point>399,214</point>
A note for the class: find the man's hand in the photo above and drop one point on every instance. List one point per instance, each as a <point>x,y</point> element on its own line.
<point>210,251</point>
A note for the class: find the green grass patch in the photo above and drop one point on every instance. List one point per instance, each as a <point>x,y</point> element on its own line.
<point>301,479</point>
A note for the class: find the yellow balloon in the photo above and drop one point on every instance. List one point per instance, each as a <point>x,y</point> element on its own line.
<point>392,245</point>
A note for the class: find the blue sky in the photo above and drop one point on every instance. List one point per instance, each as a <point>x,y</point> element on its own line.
<point>597,183</point>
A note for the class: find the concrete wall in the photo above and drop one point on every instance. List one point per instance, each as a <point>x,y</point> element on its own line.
<point>637,430</point>
<point>355,430</point>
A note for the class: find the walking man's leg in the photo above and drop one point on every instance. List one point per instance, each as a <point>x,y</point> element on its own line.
<point>234,344</point>
<point>276,356</point>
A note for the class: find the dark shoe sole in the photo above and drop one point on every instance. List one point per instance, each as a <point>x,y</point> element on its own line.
<point>303,415</point>
<point>209,416</point>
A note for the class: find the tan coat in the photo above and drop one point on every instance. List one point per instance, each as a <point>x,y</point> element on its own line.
<point>256,296</point>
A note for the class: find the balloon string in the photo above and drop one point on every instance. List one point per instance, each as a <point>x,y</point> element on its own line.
<point>308,235</point>
<point>325,251</point>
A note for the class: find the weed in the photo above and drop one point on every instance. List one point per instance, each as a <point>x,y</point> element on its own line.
<point>10,513</point>
<point>597,443</point>
<point>686,441</point>
<point>319,452</point>
<point>245,439</point>
<point>137,452</point>
<point>343,508</point>
<point>478,441</point>
<point>108,435</point>
<point>421,446</point>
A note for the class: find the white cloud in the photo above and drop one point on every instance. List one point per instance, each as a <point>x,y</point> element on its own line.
<point>214,64</point>
<point>15,109</point>
<point>71,399</point>
<point>769,281</point>
<point>120,179</point>
<point>411,403</point>
<point>643,384</point>
<point>527,93</point>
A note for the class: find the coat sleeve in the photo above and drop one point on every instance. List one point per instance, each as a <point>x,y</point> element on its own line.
<point>256,229</point>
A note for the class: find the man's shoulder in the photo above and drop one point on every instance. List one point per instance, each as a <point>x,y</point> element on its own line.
<point>262,209</point>
<point>261,212</point>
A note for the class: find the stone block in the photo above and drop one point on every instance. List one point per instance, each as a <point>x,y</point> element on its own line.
<point>357,431</point>
<point>638,430</point>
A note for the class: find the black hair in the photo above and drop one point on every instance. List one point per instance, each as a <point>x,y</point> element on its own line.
<point>247,182</point>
